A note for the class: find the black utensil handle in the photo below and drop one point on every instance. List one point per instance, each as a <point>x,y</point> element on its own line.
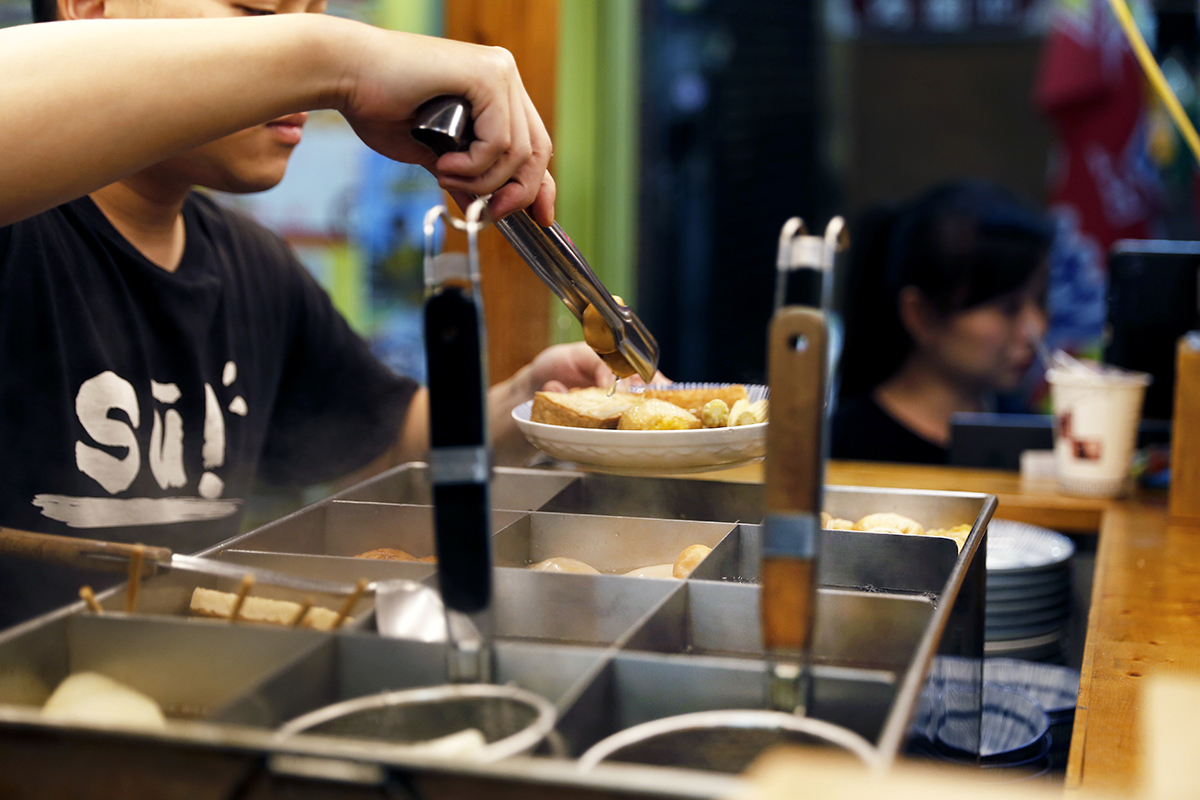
<point>460,458</point>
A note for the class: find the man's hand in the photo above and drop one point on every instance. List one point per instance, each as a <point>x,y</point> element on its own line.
<point>512,149</point>
<point>555,369</point>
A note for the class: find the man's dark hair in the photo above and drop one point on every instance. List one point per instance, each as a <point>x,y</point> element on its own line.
<point>45,10</point>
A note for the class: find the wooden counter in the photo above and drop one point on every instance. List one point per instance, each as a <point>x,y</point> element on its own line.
<point>1145,610</point>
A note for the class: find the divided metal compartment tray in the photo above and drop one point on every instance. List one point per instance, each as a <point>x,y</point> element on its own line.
<point>609,651</point>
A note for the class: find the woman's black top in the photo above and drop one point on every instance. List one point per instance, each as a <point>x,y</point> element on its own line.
<point>862,431</point>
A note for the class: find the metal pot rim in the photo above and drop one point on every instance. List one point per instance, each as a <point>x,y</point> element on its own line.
<point>520,742</point>
<point>749,718</point>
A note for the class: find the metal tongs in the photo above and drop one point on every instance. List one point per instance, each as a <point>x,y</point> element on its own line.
<point>444,125</point>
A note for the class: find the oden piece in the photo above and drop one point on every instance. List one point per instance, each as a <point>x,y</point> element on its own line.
<point>657,415</point>
<point>210,603</point>
<point>694,399</point>
<point>396,554</point>
<point>689,559</point>
<point>95,699</point>
<point>581,408</point>
<point>565,564</point>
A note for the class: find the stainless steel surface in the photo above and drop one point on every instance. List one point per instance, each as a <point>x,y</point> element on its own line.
<point>513,488</point>
<point>634,688</point>
<point>190,670</point>
<point>575,609</point>
<point>609,651</point>
<point>351,666</point>
<point>660,498</point>
<point>409,610</point>
<point>613,545</point>
<point>859,629</point>
<point>261,575</point>
<point>347,528</point>
<point>444,125</point>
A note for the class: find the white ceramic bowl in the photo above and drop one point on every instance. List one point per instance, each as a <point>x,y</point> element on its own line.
<point>649,452</point>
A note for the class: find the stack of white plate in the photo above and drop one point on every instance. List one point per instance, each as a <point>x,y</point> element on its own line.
<point>1029,590</point>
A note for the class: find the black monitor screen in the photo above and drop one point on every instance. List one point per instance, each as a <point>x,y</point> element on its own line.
<point>1152,301</point>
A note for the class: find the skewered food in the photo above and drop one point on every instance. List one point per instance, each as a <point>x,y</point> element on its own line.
<point>211,603</point>
<point>657,415</point>
<point>92,698</point>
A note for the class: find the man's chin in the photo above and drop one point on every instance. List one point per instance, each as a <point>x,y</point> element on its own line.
<point>244,186</point>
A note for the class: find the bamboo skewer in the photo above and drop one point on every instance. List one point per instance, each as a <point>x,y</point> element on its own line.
<point>305,605</point>
<point>89,597</point>
<point>243,590</point>
<point>350,601</point>
<point>135,577</point>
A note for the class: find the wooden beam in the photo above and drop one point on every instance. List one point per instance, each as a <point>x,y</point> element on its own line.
<point>516,303</point>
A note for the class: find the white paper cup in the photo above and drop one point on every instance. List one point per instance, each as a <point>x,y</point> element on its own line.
<point>1096,417</point>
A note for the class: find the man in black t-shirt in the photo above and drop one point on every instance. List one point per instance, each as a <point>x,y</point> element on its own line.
<point>158,353</point>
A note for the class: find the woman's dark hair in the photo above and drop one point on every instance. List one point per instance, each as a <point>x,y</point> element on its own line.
<point>44,10</point>
<point>961,244</point>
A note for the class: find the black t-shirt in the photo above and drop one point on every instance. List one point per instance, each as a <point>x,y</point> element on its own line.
<point>138,404</point>
<point>862,431</point>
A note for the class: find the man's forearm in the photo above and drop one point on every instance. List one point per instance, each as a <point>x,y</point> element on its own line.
<point>89,101</point>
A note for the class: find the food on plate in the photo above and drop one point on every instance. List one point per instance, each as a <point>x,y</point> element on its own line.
<point>581,408</point>
<point>211,603</point>
<point>653,571</point>
<point>92,698</point>
<point>694,400</point>
<point>396,554</point>
<point>715,413</point>
<point>657,415</point>
<point>649,410</point>
<point>746,413</point>
<point>889,522</point>
<point>564,564</point>
<point>689,559</point>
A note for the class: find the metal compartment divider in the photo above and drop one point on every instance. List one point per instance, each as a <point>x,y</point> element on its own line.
<point>602,644</point>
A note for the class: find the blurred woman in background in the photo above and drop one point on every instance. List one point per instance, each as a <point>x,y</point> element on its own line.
<point>946,300</point>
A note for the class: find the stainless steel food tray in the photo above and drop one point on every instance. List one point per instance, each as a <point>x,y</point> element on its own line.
<point>609,651</point>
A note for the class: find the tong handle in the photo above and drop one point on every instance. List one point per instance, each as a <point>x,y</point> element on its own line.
<point>797,349</point>
<point>89,553</point>
<point>444,125</point>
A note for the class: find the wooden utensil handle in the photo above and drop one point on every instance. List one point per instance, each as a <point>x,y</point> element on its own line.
<point>79,552</point>
<point>797,346</point>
